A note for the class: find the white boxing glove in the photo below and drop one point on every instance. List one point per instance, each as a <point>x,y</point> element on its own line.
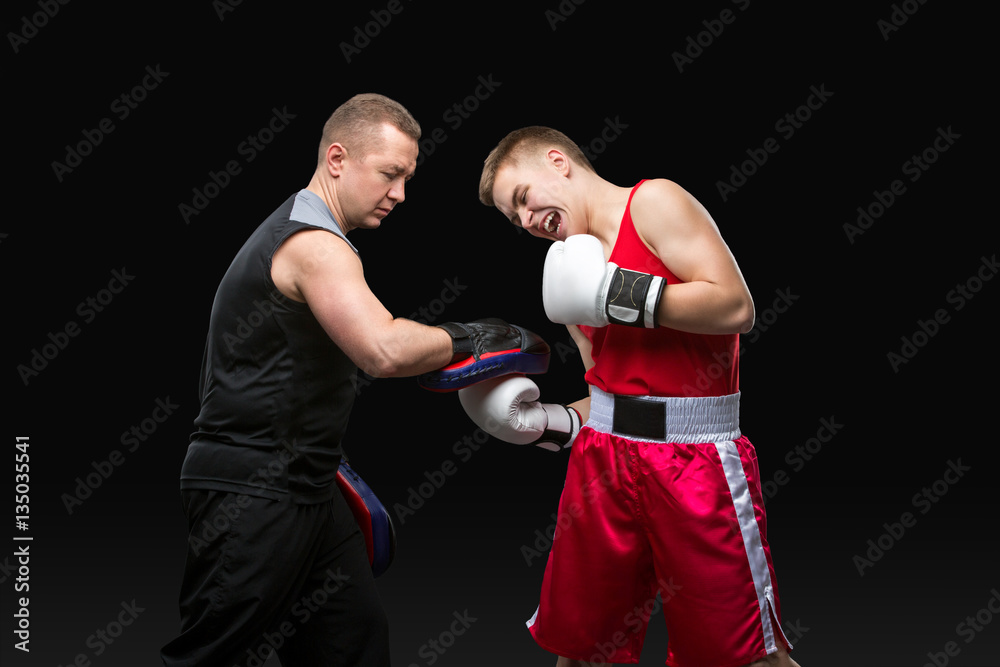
<point>507,408</point>
<point>580,287</point>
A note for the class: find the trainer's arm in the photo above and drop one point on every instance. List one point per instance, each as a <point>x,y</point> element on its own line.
<point>714,298</point>
<point>320,269</point>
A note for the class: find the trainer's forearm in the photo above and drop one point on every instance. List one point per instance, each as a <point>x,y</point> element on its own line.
<point>406,348</point>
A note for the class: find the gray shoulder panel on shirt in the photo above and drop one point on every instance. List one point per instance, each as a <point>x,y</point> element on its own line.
<point>310,209</point>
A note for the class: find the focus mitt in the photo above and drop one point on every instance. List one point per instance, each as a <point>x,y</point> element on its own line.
<point>373,518</point>
<point>486,349</point>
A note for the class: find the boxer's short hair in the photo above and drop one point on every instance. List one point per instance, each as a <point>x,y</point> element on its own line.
<point>356,124</point>
<point>525,143</point>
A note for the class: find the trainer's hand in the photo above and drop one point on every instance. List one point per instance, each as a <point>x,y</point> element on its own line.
<point>485,349</point>
<point>580,287</point>
<point>508,408</point>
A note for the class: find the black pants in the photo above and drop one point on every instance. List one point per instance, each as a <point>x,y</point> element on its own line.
<point>270,575</point>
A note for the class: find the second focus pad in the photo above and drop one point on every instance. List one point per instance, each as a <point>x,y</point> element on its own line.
<point>485,349</point>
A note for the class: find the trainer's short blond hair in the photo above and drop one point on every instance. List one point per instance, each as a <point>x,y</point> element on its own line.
<point>356,124</point>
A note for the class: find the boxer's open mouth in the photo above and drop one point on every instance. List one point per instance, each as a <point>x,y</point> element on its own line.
<point>551,223</point>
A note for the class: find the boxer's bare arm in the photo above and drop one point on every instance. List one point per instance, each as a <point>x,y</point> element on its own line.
<point>714,298</point>
<point>583,345</point>
<point>320,269</point>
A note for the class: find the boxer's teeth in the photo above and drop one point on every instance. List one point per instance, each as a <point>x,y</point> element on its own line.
<point>547,225</point>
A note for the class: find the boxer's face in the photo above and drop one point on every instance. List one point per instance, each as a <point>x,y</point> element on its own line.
<point>534,195</point>
<point>372,185</point>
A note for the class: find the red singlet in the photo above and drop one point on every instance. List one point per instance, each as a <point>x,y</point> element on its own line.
<point>661,361</point>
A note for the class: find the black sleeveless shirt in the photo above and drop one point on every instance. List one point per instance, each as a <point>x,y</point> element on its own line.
<point>276,392</point>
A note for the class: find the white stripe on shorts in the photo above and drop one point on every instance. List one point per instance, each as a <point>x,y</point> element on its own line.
<point>743,503</point>
<point>689,420</point>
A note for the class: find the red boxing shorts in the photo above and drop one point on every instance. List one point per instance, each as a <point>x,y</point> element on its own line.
<point>662,509</point>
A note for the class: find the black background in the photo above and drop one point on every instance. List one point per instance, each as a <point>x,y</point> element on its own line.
<point>607,74</point>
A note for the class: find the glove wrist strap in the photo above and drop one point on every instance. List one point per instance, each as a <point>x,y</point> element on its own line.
<point>563,424</point>
<point>461,342</point>
<point>633,298</point>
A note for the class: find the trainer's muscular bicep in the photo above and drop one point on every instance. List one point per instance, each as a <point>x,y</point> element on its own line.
<point>322,270</point>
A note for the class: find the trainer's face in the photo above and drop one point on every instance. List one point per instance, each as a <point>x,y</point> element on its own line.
<point>371,186</point>
<point>534,195</point>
